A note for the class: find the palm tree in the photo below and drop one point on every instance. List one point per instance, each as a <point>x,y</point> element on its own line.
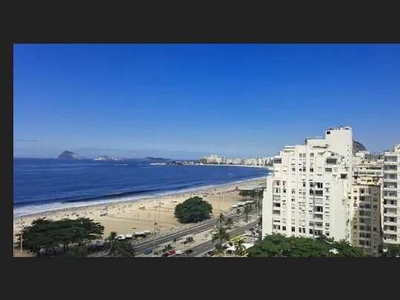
<point>247,210</point>
<point>219,250</point>
<point>221,234</point>
<point>112,240</point>
<point>240,249</point>
<point>221,219</point>
<point>229,223</point>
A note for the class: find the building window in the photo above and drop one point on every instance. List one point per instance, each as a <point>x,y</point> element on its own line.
<point>331,161</point>
<point>319,209</point>
<point>293,229</point>
<point>283,227</point>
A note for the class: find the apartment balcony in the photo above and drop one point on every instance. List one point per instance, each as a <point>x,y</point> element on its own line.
<point>390,180</point>
<point>391,163</point>
<point>390,171</point>
<point>390,189</point>
<point>393,232</point>
<point>390,214</point>
<point>389,223</point>
<point>391,241</point>
<point>390,197</point>
<point>390,205</point>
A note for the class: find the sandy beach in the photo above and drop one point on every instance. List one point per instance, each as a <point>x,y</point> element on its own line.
<point>127,217</point>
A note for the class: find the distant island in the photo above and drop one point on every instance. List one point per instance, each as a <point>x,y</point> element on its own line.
<point>73,156</point>
<point>106,158</point>
<point>156,158</point>
<point>69,155</point>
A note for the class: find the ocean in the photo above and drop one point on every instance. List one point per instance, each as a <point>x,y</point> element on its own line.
<point>42,185</point>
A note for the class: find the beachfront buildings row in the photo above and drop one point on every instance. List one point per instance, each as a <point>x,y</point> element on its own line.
<point>325,187</point>
<point>391,196</point>
<point>220,160</point>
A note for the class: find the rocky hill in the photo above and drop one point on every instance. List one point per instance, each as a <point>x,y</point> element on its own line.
<point>69,155</point>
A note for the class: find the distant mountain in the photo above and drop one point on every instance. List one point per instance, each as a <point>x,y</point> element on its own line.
<point>106,158</point>
<point>357,146</point>
<point>69,155</point>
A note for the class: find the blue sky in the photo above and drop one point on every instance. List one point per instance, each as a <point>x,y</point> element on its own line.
<point>188,100</point>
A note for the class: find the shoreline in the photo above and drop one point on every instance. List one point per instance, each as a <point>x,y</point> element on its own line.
<point>66,206</point>
<point>225,165</point>
<point>155,213</point>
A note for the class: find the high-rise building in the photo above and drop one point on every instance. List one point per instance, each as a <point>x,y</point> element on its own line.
<point>366,204</point>
<point>391,196</point>
<point>307,194</point>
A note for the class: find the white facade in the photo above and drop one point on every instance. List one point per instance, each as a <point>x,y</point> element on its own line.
<point>307,193</point>
<point>365,203</point>
<point>214,159</point>
<point>391,196</point>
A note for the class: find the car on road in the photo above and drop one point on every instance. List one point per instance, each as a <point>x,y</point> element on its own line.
<point>188,252</point>
<point>179,252</point>
<point>148,251</point>
<point>210,253</point>
<point>168,253</point>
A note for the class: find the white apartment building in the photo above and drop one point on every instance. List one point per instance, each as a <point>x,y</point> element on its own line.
<point>391,196</point>
<point>307,194</point>
<point>214,159</point>
<point>366,204</point>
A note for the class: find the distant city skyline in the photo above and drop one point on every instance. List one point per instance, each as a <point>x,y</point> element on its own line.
<point>190,101</point>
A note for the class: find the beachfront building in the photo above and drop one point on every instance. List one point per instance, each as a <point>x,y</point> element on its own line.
<point>366,207</point>
<point>391,196</point>
<point>307,194</point>
<point>213,159</point>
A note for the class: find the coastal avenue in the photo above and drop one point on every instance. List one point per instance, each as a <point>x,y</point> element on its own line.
<point>203,226</point>
<point>207,246</point>
<point>140,247</point>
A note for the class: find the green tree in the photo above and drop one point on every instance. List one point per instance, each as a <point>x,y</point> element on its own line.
<point>193,210</point>
<point>111,243</point>
<point>393,251</point>
<point>219,250</point>
<point>221,234</point>
<point>277,245</point>
<point>77,251</point>
<point>223,221</point>
<point>119,248</point>
<point>229,223</point>
<point>240,249</point>
<point>50,235</point>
